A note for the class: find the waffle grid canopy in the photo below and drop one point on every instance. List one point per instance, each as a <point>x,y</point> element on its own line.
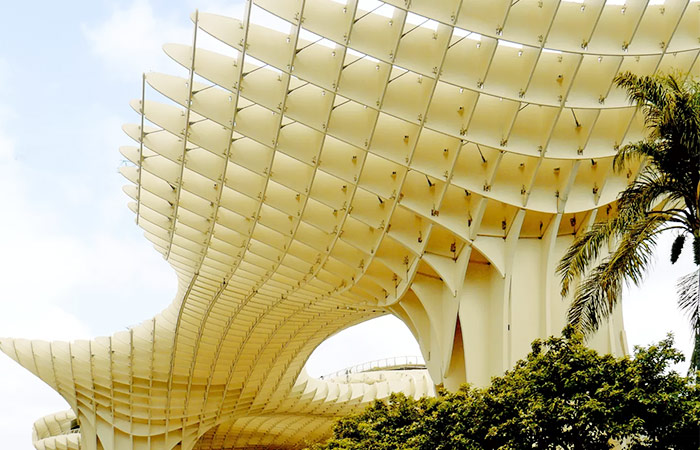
<point>335,161</point>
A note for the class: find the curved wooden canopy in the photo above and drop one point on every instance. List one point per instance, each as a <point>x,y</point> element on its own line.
<point>432,159</point>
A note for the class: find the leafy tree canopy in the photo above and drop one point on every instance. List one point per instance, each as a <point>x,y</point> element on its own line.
<point>563,395</point>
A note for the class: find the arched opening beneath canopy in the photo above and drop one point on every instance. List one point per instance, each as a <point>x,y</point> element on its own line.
<point>374,343</point>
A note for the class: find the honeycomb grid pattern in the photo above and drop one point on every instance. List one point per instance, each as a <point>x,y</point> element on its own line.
<point>354,159</point>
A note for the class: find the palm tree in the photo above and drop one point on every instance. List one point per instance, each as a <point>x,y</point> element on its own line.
<point>664,196</point>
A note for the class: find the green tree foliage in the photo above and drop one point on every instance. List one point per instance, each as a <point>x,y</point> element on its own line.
<point>664,196</point>
<point>563,395</point>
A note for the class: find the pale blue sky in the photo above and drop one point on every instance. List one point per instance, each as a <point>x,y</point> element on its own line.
<point>74,265</point>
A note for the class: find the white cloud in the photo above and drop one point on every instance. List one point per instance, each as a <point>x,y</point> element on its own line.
<point>32,278</point>
<point>75,265</point>
<point>65,282</point>
<point>130,41</point>
<point>221,7</point>
<point>4,72</point>
<point>7,152</point>
<point>37,267</point>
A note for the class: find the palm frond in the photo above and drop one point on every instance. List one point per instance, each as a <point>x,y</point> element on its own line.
<point>656,192</point>
<point>636,151</point>
<point>671,110</point>
<point>688,300</point>
<point>688,288</point>
<point>643,91</point>
<point>586,249</point>
<point>645,191</point>
<point>597,295</point>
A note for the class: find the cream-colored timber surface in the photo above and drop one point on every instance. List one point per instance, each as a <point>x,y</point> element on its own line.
<point>56,432</point>
<point>429,159</point>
